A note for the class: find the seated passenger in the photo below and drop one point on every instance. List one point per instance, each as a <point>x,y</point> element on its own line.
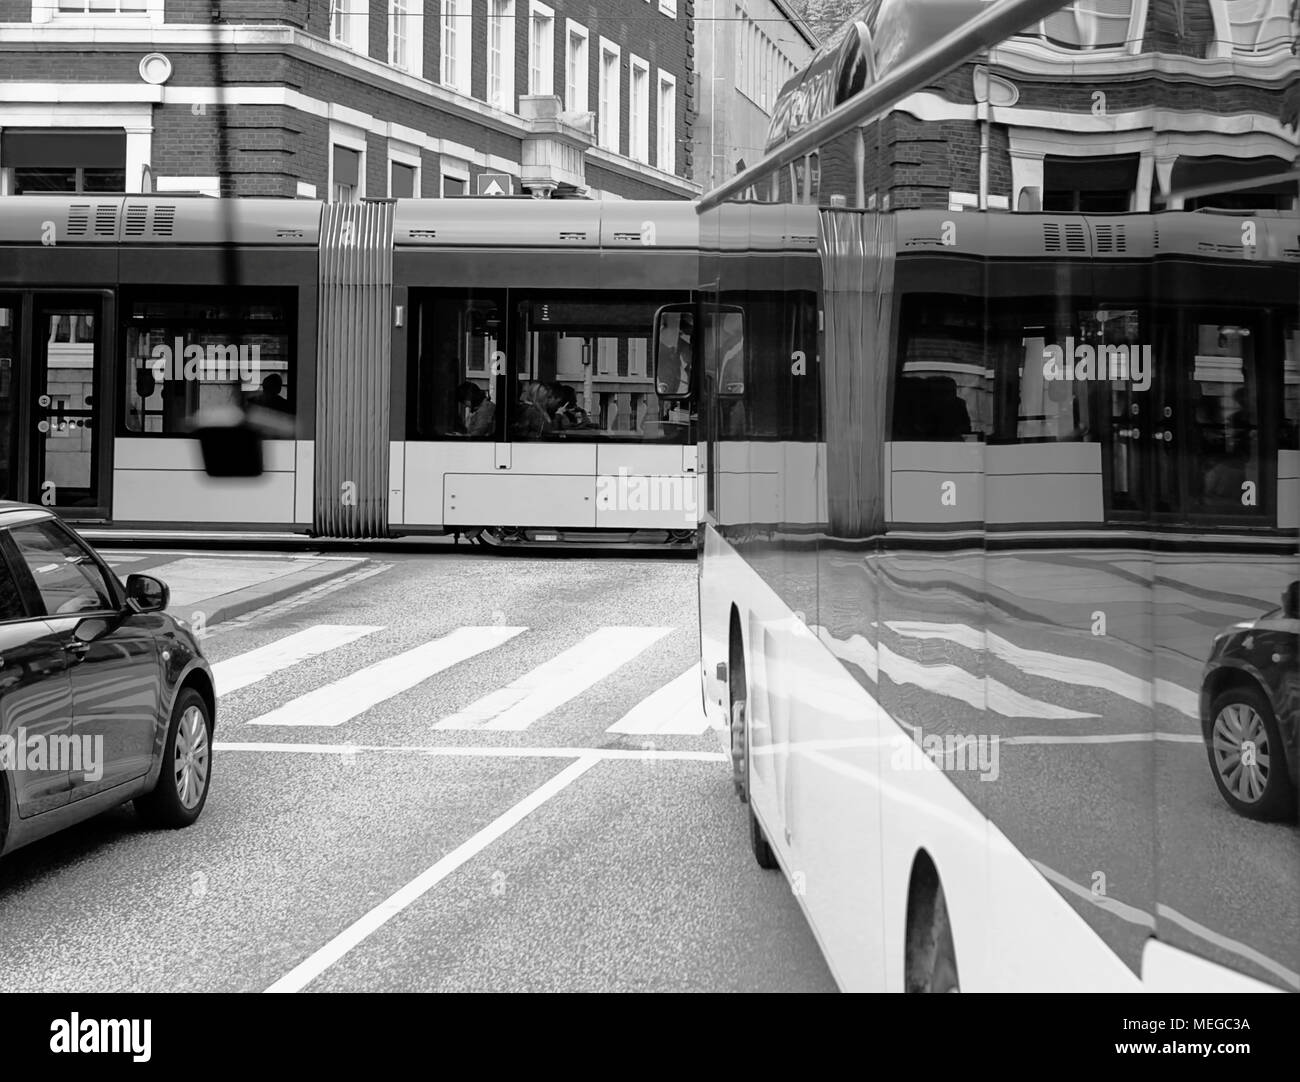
<point>481,423</point>
<point>568,414</point>
<point>534,419</point>
<point>270,396</point>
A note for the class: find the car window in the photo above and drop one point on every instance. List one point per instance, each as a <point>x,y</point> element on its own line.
<point>11,601</point>
<point>65,573</point>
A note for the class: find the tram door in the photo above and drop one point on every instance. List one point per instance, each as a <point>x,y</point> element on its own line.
<point>53,372</point>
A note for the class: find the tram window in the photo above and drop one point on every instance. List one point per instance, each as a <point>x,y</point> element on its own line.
<point>1289,437</point>
<point>943,391</point>
<point>185,354</point>
<point>586,371</point>
<point>458,338</point>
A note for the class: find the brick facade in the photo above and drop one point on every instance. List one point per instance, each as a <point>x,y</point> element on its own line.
<point>283,93</point>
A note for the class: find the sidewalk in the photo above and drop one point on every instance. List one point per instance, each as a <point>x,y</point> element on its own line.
<point>208,589</point>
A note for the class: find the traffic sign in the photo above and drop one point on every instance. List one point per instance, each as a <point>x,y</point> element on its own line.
<point>495,184</point>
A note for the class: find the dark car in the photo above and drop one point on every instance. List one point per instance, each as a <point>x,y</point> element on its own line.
<point>1250,703</point>
<point>104,698</point>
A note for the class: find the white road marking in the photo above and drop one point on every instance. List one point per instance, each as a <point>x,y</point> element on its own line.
<point>1080,672</point>
<point>342,700</point>
<point>674,709</point>
<point>470,751</point>
<point>553,683</point>
<point>315,964</point>
<point>244,669</point>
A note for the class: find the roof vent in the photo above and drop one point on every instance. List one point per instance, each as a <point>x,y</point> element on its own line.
<point>106,220</point>
<point>289,234</point>
<point>422,234</point>
<point>1111,237</point>
<point>573,234</point>
<point>1064,236</point>
<point>137,218</point>
<point>164,220</point>
<point>634,237</point>
<point>78,219</point>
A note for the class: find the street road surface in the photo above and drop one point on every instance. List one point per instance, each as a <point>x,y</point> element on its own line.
<point>441,772</point>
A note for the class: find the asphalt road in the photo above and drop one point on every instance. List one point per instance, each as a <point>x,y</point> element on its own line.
<point>418,828</point>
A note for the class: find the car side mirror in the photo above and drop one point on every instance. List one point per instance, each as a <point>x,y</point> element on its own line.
<point>92,628</point>
<point>144,593</point>
<point>1291,601</point>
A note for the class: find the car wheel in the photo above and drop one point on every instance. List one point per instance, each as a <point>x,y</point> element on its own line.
<point>182,788</point>
<point>1247,757</point>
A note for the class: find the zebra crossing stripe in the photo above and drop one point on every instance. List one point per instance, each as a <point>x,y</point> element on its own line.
<point>344,699</point>
<point>675,709</point>
<point>244,669</point>
<point>555,682</point>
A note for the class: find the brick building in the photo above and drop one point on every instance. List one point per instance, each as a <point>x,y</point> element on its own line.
<point>345,99</point>
<point>749,49</point>
<point>1106,106</point>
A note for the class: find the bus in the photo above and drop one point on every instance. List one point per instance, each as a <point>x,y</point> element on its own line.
<point>374,333</point>
<point>999,404</point>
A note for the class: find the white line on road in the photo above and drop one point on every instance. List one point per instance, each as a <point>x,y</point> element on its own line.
<point>481,752</point>
<point>244,669</point>
<point>674,709</point>
<point>553,683</point>
<point>342,700</point>
<point>314,965</point>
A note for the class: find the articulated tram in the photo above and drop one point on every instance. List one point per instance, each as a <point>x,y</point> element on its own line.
<point>477,367</point>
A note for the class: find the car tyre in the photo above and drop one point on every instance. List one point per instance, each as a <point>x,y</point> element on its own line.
<point>1262,788</point>
<point>182,789</point>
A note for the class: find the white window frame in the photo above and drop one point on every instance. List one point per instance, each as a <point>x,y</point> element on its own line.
<point>638,109</point>
<point>609,106</point>
<point>1271,27</point>
<point>352,139</point>
<point>404,154</point>
<point>1132,35</point>
<point>45,11</point>
<point>455,29</point>
<point>541,48</point>
<point>666,123</point>
<point>350,24</point>
<point>501,70</point>
<point>668,7</point>
<point>411,22</point>
<point>577,90</point>
<point>456,170</point>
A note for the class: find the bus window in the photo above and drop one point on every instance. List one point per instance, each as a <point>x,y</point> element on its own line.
<point>1289,438</point>
<point>942,392</point>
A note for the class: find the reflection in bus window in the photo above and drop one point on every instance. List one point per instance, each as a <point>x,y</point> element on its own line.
<point>942,392</point>
<point>1289,437</point>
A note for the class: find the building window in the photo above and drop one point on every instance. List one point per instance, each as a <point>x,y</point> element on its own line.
<point>346,174</point>
<point>609,91</point>
<point>1089,185</point>
<point>669,8</point>
<point>501,54</point>
<point>638,110</point>
<point>456,44</point>
<point>575,69</point>
<point>349,24</point>
<point>1251,27</point>
<point>455,177</point>
<point>403,181</point>
<point>541,49</point>
<point>406,35</point>
<point>666,132</point>
<point>1086,25</point>
<point>102,7</point>
<point>64,160</point>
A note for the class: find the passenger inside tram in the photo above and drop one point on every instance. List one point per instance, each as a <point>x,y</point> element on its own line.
<point>476,413</point>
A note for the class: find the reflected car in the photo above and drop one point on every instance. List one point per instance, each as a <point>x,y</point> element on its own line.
<point>1250,703</point>
<point>104,697</point>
